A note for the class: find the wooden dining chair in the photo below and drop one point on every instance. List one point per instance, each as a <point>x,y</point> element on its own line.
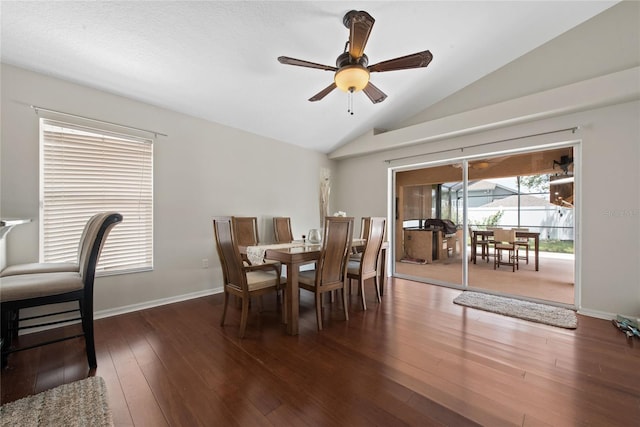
<point>23,291</point>
<point>369,264</point>
<point>282,229</point>
<point>356,251</point>
<point>246,232</point>
<point>330,273</point>
<point>505,240</point>
<point>523,242</point>
<point>481,243</point>
<point>241,280</point>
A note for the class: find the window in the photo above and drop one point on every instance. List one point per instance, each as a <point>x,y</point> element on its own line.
<point>85,171</point>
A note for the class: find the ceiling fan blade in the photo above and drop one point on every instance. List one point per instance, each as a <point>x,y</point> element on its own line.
<point>301,63</point>
<point>416,60</point>
<point>360,24</point>
<point>324,92</point>
<point>374,94</point>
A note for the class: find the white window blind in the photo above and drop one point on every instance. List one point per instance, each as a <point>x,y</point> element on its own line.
<point>85,171</point>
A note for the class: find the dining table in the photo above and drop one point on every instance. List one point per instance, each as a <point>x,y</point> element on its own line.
<point>486,234</point>
<point>295,254</point>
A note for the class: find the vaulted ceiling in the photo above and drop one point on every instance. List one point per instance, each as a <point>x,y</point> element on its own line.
<point>216,60</point>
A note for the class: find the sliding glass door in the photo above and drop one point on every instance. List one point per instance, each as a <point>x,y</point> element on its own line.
<point>532,193</point>
<point>429,244</point>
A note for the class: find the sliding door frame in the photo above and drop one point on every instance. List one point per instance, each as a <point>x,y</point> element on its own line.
<point>575,144</point>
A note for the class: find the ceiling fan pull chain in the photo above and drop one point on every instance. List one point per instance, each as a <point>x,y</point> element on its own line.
<point>350,101</point>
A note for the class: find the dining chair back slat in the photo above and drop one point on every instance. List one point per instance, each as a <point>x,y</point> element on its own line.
<point>501,235</point>
<point>282,229</point>
<point>332,264</point>
<point>246,230</point>
<point>369,264</point>
<point>374,238</point>
<point>356,251</point>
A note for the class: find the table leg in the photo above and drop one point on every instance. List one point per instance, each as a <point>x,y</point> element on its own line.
<point>293,299</point>
<point>474,241</point>
<point>537,246</point>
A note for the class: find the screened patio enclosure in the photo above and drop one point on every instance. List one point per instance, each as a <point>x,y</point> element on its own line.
<point>531,191</point>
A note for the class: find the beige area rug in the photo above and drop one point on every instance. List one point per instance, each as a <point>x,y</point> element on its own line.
<point>81,403</point>
<point>541,313</point>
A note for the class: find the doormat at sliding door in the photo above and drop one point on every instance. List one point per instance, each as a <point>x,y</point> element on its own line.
<point>541,313</point>
<point>81,403</point>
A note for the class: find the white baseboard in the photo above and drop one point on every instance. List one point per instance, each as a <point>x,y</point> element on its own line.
<point>155,303</point>
<point>597,314</point>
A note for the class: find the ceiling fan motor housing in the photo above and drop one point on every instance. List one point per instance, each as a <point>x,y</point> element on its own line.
<point>346,59</point>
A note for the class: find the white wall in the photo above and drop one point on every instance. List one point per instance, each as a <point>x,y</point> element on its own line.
<point>201,169</point>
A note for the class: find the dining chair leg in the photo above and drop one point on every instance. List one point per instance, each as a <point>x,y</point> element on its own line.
<point>361,292</point>
<point>244,316</point>
<point>345,303</point>
<point>377,285</point>
<point>86,310</point>
<point>319,311</point>
<point>6,338</point>
<point>224,308</point>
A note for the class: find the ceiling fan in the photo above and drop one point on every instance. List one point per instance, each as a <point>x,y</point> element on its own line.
<point>352,70</point>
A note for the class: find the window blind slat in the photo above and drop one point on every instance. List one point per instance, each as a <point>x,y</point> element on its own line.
<point>85,172</point>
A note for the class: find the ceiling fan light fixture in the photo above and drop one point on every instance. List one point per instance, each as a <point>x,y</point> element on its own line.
<point>480,165</point>
<point>352,78</point>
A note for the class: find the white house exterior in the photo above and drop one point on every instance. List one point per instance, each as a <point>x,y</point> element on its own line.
<point>552,221</point>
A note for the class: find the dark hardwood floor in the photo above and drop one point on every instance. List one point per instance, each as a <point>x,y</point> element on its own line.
<point>415,359</point>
